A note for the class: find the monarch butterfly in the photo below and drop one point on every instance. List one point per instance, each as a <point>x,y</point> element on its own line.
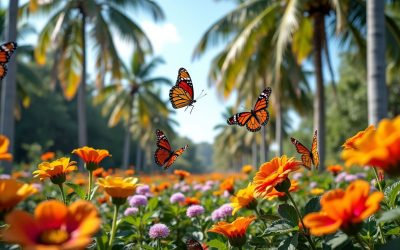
<point>181,95</point>
<point>257,117</point>
<point>164,156</point>
<point>192,244</point>
<point>6,50</point>
<point>308,157</point>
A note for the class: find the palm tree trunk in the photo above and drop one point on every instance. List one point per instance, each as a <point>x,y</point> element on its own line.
<point>82,127</point>
<point>278,124</point>
<point>127,147</point>
<point>377,92</point>
<point>8,93</point>
<point>319,101</point>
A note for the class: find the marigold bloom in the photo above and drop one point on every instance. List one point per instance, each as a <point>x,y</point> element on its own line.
<point>55,170</point>
<point>118,187</point>
<point>235,231</point>
<point>243,198</point>
<point>13,192</point>
<point>53,226</point>
<point>294,186</point>
<point>273,173</point>
<point>247,169</point>
<point>181,173</point>
<point>98,172</point>
<point>378,148</point>
<point>191,201</point>
<point>227,185</point>
<point>334,169</point>
<point>47,156</point>
<point>351,142</point>
<point>4,144</point>
<point>92,157</point>
<point>344,210</point>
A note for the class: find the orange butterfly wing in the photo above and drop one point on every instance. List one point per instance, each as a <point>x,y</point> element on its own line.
<point>239,119</point>
<point>314,150</point>
<point>164,156</point>
<point>181,95</point>
<point>6,50</point>
<point>174,156</point>
<point>306,156</point>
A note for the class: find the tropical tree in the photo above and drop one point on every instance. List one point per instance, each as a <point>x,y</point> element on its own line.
<point>135,99</point>
<point>65,33</point>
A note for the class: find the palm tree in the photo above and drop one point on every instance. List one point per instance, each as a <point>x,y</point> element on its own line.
<point>65,32</point>
<point>300,25</point>
<point>135,99</point>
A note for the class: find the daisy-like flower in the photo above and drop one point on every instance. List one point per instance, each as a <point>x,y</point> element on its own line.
<point>55,170</point>
<point>294,186</point>
<point>247,169</point>
<point>13,192</point>
<point>4,144</point>
<point>194,211</point>
<point>53,226</point>
<point>273,173</point>
<point>118,188</point>
<point>235,231</point>
<point>335,169</point>
<point>92,157</point>
<point>227,185</point>
<point>158,231</point>
<point>182,174</point>
<point>98,172</point>
<point>344,210</point>
<point>244,198</point>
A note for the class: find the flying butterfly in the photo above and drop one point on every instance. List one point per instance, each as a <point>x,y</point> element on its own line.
<point>164,155</point>
<point>192,244</point>
<point>6,50</point>
<point>257,117</point>
<point>308,157</point>
<point>182,94</point>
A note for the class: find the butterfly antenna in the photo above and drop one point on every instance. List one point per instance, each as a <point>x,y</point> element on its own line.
<point>186,108</point>
<point>191,109</point>
<point>201,95</point>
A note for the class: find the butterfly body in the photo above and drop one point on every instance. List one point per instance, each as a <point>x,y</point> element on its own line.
<point>192,244</point>
<point>6,50</point>
<point>164,155</point>
<point>182,94</point>
<point>308,157</point>
<point>257,117</point>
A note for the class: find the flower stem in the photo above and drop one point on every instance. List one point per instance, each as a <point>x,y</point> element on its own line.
<point>114,226</point>
<point>90,185</point>
<point>359,241</point>
<point>377,179</point>
<point>301,220</point>
<point>62,193</point>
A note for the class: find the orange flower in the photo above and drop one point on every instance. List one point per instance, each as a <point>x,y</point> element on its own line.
<point>294,186</point>
<point>273,173</point>
<point>181,174</point>
<point>351,142</point>
<point>55,170</point>
<point>13,192</point>
<point>53,226</point>
<point>235,231</point>
<point>4,144</point>
<point>378,148</point>
<point>98,172</point>
<point>244,198</point>
<point>129,172</point>
<point>227,185</point>
<point>335,169</point>
<point>103,199</point>
<point>118,187</point>
<point>92,157</point>
<point>47,156</point>
<point>191,201</point>
<point>344,210</point>
<point>247,169</point>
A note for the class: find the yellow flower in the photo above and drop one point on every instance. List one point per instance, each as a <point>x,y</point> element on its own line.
<point>273,173</point>
<point>118,187</point>
<point>53,226</point>
<point>247,169</point>
<point>235,231</point>
<point>344,210</point>
<point>4,144</point>
<point>243,198</point>
<point>378,148</point>
<point>13,192</point>
<point>316,191</point>
<point>92,157</point>
<point>55,170</point>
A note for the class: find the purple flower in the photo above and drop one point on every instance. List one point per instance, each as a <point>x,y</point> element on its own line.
<point>197,187</point>
<point>313,184</point>
<point>216,215</point>
<point>131,210</point>
<point>297,176</point>
<point>209,183</point>
<point>5,176</point>
<point>138,200</point>
<point>340,177</point>
<point>350,177</point>
<point>177,197</point>
<point>206,188</point>
<point>158,231</point>
<point>185,188</point>
<point>225,210</point>
<point>143,190</point>
<point>38,186</point>
<point>194,210</point>
<point>361,175</point>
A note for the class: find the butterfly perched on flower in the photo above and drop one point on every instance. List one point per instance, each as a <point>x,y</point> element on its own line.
<point>257,117</point>
<point>6,50</point>
<point>192,244</point>
<point>164,155</point>
<point>181,95</point>
<point>308,157</point>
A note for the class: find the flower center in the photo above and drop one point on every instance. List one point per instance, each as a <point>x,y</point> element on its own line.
<point>54,236</point>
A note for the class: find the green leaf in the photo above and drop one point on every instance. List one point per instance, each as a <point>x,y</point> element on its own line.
<point>290,243</point>
<point>288,212</point>
<point>313,205</point>
<point>217,244</point>
<point>152,204</point>
<point>77,189</point>
<point>258,242</point>
<point>93,192</point>
<point>280,227</point>
<point>302,40</point>
<point>337,240</point>
<point>393,231</point>
<point>390,215</point>
<point>392,192</point>
<point>69,197</point>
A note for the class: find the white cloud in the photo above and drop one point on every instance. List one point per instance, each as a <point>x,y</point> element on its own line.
<point>161,35</point>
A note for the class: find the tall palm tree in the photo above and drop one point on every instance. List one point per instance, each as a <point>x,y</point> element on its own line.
<point>66,30</point>
<point>135,97</point>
